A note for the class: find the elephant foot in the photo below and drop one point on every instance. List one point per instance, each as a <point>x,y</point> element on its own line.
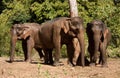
<point>28,60</point>
<point>104,66</point>
<point>42,59</point>
<point>71,64</point>
<point>51,62</point>
<point>10,61</point>
<point>92,64</point>
<point>46,62</point>
<point>57,64</point>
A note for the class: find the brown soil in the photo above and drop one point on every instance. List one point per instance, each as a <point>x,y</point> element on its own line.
<point>20,69</point>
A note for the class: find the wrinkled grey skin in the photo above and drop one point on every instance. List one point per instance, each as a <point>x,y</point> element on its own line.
<point>63,30</point>
<point>28,33</point>
<point>98,37</point>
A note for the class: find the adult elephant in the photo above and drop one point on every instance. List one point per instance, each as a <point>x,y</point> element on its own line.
<point>98,37</point>
<point>63,30</point>
<point>28,33</point>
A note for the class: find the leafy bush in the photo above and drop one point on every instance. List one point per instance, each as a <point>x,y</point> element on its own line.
<point>48,9</point>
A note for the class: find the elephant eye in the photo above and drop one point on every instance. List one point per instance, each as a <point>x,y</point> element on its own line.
<point>75,23</point>
<point>73,27</point>
<point>19,31</point>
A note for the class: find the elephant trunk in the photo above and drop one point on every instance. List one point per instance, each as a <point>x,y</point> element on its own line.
<point>12,45</point>
<point>96,45</point>
<point>82,47</point>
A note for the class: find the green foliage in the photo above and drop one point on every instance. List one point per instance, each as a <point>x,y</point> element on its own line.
<point>99,9</point>
<point>108,12</point>
<point>15,12</point>
<point>63,51</point>
<point>114,53</point>
<point>114,23</point>
<point>49,9</point>
<point>20,11</point>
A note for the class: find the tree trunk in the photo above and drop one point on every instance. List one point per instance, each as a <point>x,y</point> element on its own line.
<point>73,8</point>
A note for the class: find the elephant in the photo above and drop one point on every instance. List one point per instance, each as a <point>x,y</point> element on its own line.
<point>28,33</point>
<point>52,35</point>
<point>98,38</point>
<point>63,30</point>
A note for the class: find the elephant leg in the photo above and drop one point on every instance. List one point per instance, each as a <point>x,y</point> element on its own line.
<point>39,50</point>
<point>91,52</point>
<point>94,59</point>
<point>12,44</point>
<point>57,45</point>
<point>12,50</point>
<point>82,46</point>
<point>76,51</point>
<point>100,57</point>
<point>50,56</point>
<point>46,57</point>
<point>30,45</point>
<point>95,56</point>
<point>76,61</point>
<point>103,54</point>
<point>57,56</point>
<point>70,53</point>
<point>24,47</point>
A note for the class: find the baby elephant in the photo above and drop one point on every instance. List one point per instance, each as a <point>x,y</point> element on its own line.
<point>98,37</point>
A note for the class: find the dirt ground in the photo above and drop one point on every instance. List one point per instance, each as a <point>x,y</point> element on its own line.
<point>21,69</point>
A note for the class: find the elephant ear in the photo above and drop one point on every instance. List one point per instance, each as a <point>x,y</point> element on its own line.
<point>105,32</point>
<point>88,26</point>
<point>88,29</point>
<point>26,32</point>
<point>66,24</point>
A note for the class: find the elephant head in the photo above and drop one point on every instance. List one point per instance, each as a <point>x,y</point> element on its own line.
<point>18,32</point>
<point>74,27</point>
